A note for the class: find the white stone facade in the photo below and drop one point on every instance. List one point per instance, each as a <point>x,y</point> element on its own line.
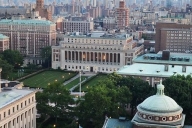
<point>21,113</point>
<point>96,54</point>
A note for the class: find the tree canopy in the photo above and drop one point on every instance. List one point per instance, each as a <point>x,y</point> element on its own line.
<point>54,101</point>
<point>13,57</point>
<point>6,68</point>
<point>180,89</point>
<point>46,55</point>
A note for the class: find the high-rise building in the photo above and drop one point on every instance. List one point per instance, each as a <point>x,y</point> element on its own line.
<point>43,12</point>
<point>122,15</point>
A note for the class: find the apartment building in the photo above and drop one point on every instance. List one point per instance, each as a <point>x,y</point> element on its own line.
<point>78,26</point>
<point>17,108</point>
<point>109,23</point>
<point>122,15</point>
<point>173,37</point>
<point>29,36</point>
<point>97,51</point>
<point>4,42</point>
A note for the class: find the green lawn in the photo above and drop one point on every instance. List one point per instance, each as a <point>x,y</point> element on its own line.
<point>92,82</point>
<point>75,82</point>
<point>43,79</point>
<point>15,75</point>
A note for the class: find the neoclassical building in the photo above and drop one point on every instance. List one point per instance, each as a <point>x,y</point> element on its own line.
<point>17,107</point>
<point>97,51</point>
<point>159,111</point>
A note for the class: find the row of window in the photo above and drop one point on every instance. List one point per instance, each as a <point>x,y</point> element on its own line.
<point>92,47</point>
<point>16,108</point>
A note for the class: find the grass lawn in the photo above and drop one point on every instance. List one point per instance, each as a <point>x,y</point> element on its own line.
<point>75,82</point>
<point>14,75</point>
<point>92,82</point>
<point>42,79</point>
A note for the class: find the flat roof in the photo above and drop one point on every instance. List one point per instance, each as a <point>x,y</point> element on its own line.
<point>10,96</point>
<point>146,58</point>
<point>27,21</point>
<point>115,123</point>
<point>156,70</point>
<point>3,36</point>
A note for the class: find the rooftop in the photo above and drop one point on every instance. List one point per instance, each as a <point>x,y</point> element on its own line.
<point>116,123</point>
<point>100,34</point>
<point>26,21</point>
<point>10,96</point>
<point>141,69</point>
<point>175,58</point>
<point>3,36</point>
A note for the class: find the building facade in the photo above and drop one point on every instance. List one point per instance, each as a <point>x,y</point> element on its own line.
<point>95,52</point>
<point>173,37</point>
<point>122,15</point>
<point>78,26</point>
<point>29,36</point>
<point>43,12</point>
<point>109,23</point>
<point>4,42</point>
<point>17,108</point>
<point>154,67</point>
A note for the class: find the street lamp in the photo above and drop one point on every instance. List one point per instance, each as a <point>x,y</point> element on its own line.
<point>55,80</point>
<point>80,83</point>
<point>54,125</point>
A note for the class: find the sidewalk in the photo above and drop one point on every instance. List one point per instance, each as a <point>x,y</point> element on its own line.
<point>75,77</point>
<point>30,75</point>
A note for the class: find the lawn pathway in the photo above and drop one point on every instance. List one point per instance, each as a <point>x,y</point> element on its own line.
<point>86,74</point>
<point>30,75</point>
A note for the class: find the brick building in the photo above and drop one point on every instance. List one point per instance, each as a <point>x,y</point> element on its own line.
<point>29,36</point>
<point>173,37</point>
<point>122,15</point>
<point>43,12</point>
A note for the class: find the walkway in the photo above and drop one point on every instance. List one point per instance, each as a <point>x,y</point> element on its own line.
<point>89,74</point>
<point>30,75</point>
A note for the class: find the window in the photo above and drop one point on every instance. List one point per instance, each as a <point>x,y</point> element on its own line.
<point>4,114</point>
<point>13,109</point>
<point>21,105</point>
<point>9,112</point>
<point>17,107</point>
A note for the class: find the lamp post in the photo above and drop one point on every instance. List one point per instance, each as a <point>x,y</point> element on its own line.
<point>80,83</point>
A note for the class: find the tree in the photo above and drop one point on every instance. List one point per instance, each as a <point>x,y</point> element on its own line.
<point>139,89</point>
<point>54,101</point>
<point>104,99</point>
<point>6,69</point>
<point>46,55</point>
<point>13,57</point>
<point>180,89</point>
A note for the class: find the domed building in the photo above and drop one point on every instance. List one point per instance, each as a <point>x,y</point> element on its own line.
<point>159,111</point>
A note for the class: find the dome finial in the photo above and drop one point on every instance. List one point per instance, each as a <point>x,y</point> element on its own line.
<point>160,88</point>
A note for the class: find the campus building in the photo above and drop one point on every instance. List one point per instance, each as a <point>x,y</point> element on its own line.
<point>17,107</point>
<point>154,67</point>
<point>4,42</point>
<point>97,51</point>
<point>173,37</point>
<point>29,36</point>
<point>159,111</point>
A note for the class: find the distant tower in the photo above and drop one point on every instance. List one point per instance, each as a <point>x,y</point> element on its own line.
<point>39,4</point>
<point>122,15</point>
